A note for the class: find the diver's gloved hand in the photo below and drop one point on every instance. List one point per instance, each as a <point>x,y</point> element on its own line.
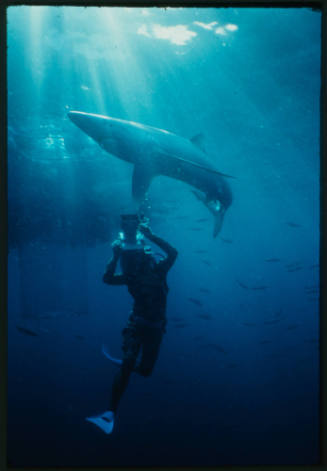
<point>145,230</point>
<point>117,248</point>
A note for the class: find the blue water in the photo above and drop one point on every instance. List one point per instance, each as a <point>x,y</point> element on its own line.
<point>249,81</point>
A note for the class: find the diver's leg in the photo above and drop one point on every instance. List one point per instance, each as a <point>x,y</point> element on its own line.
<point>131,348</point>
<point>120,384</point>
<point>150,351</point>
<point>106,420</point>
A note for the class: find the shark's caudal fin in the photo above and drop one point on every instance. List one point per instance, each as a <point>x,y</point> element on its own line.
<point>219,218</point>
<point>217,210</point>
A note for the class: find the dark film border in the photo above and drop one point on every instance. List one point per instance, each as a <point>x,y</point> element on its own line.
<point>317,5</point>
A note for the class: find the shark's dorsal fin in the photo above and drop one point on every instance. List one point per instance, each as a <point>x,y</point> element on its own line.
<point>198,140</point>
<point>141,181</point>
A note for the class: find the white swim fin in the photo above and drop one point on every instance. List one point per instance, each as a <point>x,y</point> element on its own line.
<point>104,421</point>
<point>116,361</point>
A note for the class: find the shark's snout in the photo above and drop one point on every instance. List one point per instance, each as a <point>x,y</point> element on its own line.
<point>93,125</point>
<point>80,119</point>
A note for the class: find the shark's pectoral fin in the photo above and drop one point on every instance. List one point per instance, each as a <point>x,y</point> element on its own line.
<point>141,181</point>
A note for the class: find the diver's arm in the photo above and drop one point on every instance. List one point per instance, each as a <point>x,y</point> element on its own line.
<point>109,277</point>
<point>171,252</point>
<point>169,249</point>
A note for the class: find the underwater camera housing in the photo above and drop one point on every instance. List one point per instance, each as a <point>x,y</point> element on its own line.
<point>134,251</point>
<point>129,235</point>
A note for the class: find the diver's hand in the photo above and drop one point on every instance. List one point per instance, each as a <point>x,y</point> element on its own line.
<point>116,248</point>
<point>145,230</point>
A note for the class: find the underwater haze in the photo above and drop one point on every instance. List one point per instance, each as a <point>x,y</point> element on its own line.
<point>237,378</point>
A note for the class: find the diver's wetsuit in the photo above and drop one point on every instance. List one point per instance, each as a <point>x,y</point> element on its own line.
<point>146,282</point>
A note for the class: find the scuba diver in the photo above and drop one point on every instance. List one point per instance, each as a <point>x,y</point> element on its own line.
<point>145,278</point>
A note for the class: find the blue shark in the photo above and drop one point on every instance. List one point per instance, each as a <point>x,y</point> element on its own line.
<point>155,152</point>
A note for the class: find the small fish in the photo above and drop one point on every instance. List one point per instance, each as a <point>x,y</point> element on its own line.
<point>275,355</point>
<point>216,347</point>
<point>56,314</point>
<point>27,331</point>
<point>232,365</point>
<point>316,265</point>
<point>271,322</point>
<point>80,337</point>
<point>292,326</point>
<point>227,241</point>
<point>46,316</point>
<point>195,301</point>
<point>265,342</point>
<point>248,324</point>
<point>242,284</point>
<point>207,262</point>
<point>43,329</point>
<point>176,319</point>
<point>80,313</point>
<point>198,337</point>
<point>201,251</point>
<point>293,265</point>
<point>181,326</point>
<point>195,228</point>
<point>259,287</point>
<point>313,340</point>
<point>290,270</point>
<point>202,220</point>
<point>293,224</point>
<point>272,260</point>
<point>278,314</point>
<point>170,381</point>
<point>205,290</point>
<point>205,316</point>
<point>219,348</point>
<point>311,289</point>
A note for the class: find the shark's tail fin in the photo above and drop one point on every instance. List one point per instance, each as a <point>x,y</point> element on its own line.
<point>215,207</point>
<point>219,218</point>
